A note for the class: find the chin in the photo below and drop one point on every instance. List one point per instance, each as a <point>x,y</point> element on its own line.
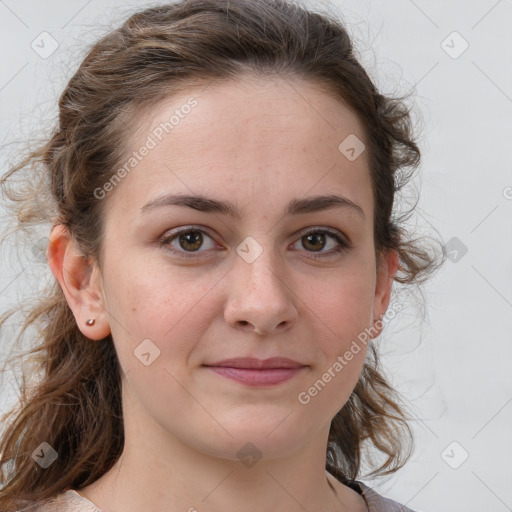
<point>254,441</point>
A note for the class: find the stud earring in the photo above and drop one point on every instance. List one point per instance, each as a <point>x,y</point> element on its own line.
<point>90,322</point>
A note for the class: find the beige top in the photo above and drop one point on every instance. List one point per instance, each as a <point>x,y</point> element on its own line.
<point>71,501</point>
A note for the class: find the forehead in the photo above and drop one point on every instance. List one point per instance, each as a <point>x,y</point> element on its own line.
<point>263,133</point>
<point>266,103</point>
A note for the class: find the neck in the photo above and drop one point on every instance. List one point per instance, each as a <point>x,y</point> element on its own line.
<point>162,472</point>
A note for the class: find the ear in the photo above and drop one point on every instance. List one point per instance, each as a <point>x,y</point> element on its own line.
<point>80,281</point>
<point>386,271</point>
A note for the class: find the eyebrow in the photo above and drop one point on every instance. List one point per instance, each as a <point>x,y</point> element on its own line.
<point>294,207</point>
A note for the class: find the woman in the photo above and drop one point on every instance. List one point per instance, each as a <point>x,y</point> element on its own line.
<point>224,250</point>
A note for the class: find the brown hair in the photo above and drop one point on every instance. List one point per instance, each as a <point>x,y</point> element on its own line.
<point>75,405</point>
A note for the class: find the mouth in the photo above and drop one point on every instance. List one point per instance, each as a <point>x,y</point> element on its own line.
<point>257,372</point>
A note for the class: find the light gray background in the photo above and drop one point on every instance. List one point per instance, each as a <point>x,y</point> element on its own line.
<point>453,364</point>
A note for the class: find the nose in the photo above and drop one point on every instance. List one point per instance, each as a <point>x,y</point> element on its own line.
<point>260,297</point>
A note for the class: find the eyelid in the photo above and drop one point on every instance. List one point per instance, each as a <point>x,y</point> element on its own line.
<point>170,235</point>
<point>342,240</point>
<point>331,231</point>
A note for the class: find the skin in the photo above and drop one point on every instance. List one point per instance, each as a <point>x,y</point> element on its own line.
<point>258,142</point>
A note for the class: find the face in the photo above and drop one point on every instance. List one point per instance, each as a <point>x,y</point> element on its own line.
<point>259,268</point>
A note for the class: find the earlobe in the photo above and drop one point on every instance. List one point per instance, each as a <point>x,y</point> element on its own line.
<point>388,267</point>
<point>80,283</point>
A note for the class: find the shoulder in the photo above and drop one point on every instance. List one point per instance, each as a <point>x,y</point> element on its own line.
<point>67,501</point>
<point>376,502</point>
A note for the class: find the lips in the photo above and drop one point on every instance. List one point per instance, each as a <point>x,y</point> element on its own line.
<point>257,372</point>
<point>257,364</point>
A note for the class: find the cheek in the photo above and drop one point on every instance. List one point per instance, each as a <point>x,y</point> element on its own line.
<point>169,310</point>
<point>343,314</point>
<point>343,305</point>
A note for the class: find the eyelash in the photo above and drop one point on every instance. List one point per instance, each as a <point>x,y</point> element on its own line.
<point>167,239</point>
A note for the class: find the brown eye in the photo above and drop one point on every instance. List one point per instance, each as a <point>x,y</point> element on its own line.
<point>188,242</point>
<point>319,239</point>
<point>314,241</point>
<point>191,240</point>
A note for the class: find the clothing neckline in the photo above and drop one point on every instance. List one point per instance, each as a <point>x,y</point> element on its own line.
<point>355,485</point>
<point>76,493</point>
